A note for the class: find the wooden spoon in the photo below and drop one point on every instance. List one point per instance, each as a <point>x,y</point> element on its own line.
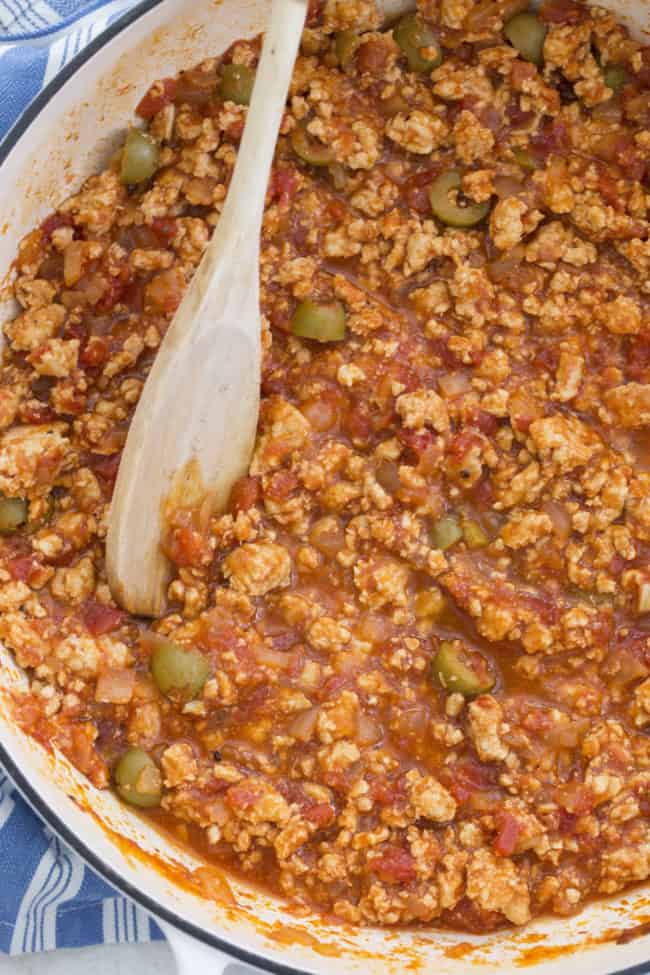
<point>193,431</point>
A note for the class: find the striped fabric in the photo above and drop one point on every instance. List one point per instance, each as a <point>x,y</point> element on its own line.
<point>49,898</point>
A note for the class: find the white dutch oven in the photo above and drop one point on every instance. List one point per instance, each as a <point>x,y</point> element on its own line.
<point>67,134</point>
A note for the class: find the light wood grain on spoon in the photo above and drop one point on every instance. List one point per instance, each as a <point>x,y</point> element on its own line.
<point>199,407</point>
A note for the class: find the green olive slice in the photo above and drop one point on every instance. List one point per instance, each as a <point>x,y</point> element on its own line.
<point>446,532</point>
<point>473,534</point>
<point>237,83</point>
<point>13,514</point>
<point>139,157</point>
<point>417,40</point>
<point>309,149</point>
<point>345,45</point>
<point>449,209</point>
<point>456,670</point>
<point>322,321</point>
<point>178,671</point>
<point>525,159</point>
<point>137,779</point>
<point>616,77</point>
<point>527,33</point>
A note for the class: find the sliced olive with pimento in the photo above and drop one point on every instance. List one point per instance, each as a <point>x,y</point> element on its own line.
<point>616,77</point>
<point>237,82</point>
<point>140,158</point>
<point>346,43</point>
<point>448,204</point>
<point>179,672</point>
<point>13,514</point>
<point>138,779</point>
<point>321,321</point>
<point>309,149</point>
<point>527,33</point>
<point>418,42</point>
<point>446,532</point>
<point>459,670</point>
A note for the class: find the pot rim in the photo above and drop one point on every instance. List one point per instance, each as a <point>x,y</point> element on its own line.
<point>21,779</point>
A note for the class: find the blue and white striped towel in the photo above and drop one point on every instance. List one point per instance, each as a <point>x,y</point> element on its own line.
<point>49,898</point>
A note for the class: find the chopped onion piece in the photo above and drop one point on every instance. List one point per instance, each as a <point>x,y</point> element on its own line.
<point>644,597</point>
<point>454,384</point>
<point>115,686</point>
<point>560,517</point>
<point>368,730</point>
<point>303,725</point>
<point>273,658</point>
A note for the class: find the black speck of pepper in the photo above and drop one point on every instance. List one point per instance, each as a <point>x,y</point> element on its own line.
<point>216,755</point>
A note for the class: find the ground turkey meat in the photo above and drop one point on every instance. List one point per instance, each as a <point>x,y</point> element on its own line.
<point>405,676</point>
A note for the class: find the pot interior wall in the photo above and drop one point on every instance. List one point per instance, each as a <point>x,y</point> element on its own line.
<point>74,136</point>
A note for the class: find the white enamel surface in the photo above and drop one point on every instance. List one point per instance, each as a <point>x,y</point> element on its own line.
<point>71,138</point>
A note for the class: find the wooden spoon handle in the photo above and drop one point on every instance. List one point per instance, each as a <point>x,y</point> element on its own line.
<point>245,203</point>
<point>241,218</point>
<point>194,428</point>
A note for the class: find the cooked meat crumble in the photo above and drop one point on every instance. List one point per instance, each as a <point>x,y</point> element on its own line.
<point>405,677</point>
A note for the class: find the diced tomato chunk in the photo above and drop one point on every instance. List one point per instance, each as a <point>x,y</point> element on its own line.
<point>35,412</point>
<point>575,798</point>
<point>186,546</point>
<point>372,56</point>
<point>509,831</point>
<point>245,493</point>
<point>106,465</point>
<point>283,185</point>
<point>236,129</point>
<point>100,619</point>
<point>415,190</point>
<point>616,564</point>
<point>113,292</point>
<point>522,71</point>
<point>467,777</point>
<point>394,866</point>
<point>320,813</point>
<point>440,348</point>
<point>483,494</point>
<point>638,356</point>
<point>486,422</point>
<point>22,567</point>
<point>358,424</point>
<point>562,12</point>
<point>160,94</point>
<point>547,358</point>
<point>387,792</point>
<point>95,352</point>
<point>54,221</point>
<point>281,484</point>
<point>314,12</point>
<point>417,440</point>
<point>242,796</point>
<point>165,227</point>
